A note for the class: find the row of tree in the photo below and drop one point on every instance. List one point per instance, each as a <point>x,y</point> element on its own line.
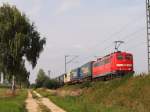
<point>19,42</point>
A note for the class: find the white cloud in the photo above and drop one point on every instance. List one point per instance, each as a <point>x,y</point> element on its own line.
<point>67,5</point>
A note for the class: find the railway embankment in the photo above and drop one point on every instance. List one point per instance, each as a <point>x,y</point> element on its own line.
<point>118,95</point>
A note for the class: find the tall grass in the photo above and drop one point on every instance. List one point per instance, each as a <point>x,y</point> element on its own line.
<point>119,95</point>
<point>13,103</point>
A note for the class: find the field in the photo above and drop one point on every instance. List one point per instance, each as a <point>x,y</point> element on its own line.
<point>11,103</point>
<point>119,95</point>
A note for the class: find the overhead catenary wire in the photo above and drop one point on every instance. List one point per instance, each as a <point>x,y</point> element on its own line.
<point>133,47</point>
<point>108,38</point>
<point>126,39</point>
<point>110,46</point>
<point>122,29</point>
<point>131,35</point>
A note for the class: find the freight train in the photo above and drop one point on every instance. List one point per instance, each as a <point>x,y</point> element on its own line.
<point>117,64</point>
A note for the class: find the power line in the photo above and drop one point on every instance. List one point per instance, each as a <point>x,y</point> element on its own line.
<point>131,36</point>
<point>116,33</point>
<point>107,38</point>
<point>137,45</point>
<point>127,38</point>
<point>122,29</point>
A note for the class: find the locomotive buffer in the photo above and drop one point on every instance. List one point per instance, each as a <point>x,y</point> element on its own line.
<point>148,32</point>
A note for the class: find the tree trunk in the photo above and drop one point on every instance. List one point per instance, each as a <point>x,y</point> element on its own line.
<point>2,78</point>
<point>13,88</point>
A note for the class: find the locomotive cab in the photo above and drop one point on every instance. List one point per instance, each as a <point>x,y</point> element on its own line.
<point>123,63</point>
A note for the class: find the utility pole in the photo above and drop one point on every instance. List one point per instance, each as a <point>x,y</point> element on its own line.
<point>69,61</point>
<point>49,73</point>
<point>148,32</point>
<point>117,44</point>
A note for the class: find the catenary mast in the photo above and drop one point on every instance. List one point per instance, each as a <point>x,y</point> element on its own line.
<point>148,32</point>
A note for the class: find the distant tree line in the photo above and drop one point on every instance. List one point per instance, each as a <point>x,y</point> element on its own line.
<point>43,81</point>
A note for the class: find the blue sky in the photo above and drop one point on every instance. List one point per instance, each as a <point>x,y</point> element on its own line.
<point>86,28</point>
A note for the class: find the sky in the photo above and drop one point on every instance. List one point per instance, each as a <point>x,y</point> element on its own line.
<point>87,29</point>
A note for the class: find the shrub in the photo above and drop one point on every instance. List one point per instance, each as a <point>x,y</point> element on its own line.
<point>50,84</point>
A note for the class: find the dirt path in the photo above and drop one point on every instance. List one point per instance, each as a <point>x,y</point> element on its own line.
<point>49,104</point>
<point>31,104</point>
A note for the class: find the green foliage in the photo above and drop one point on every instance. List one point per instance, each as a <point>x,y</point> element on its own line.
<point>41,78</point>
<point>44,81</point>
<point>18,40</point>
<point>51,84</point>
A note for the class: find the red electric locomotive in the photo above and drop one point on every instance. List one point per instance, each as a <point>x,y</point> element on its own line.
<point>113,65</point>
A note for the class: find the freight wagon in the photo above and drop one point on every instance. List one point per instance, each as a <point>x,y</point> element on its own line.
<point>75,75</point>
<point>86,71</point>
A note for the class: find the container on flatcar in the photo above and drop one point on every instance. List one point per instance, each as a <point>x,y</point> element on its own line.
<point>86,70</point>
<point>67,78</point>
<point>75,75</point>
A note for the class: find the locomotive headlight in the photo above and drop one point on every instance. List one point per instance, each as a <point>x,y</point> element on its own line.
<point>119,65</point>
<point>124,65</point>
<point>129,65</point>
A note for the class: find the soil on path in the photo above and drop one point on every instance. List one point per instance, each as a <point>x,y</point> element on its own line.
<point>49,104</point>
<point>31,104</point>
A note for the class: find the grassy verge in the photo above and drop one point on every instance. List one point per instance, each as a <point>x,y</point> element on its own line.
<point>125,95</point>
<point>9,103</point>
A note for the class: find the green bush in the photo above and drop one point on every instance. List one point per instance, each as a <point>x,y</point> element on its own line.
<point>50,84</point>
<point>43,81</point>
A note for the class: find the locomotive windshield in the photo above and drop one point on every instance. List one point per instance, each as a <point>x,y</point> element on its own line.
<point>120,57</point>
<point>128,57</point>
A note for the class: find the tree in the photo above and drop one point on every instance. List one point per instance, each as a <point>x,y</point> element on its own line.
<point>24,77</point>
<point>19,41</point>
<point>41,78</point>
